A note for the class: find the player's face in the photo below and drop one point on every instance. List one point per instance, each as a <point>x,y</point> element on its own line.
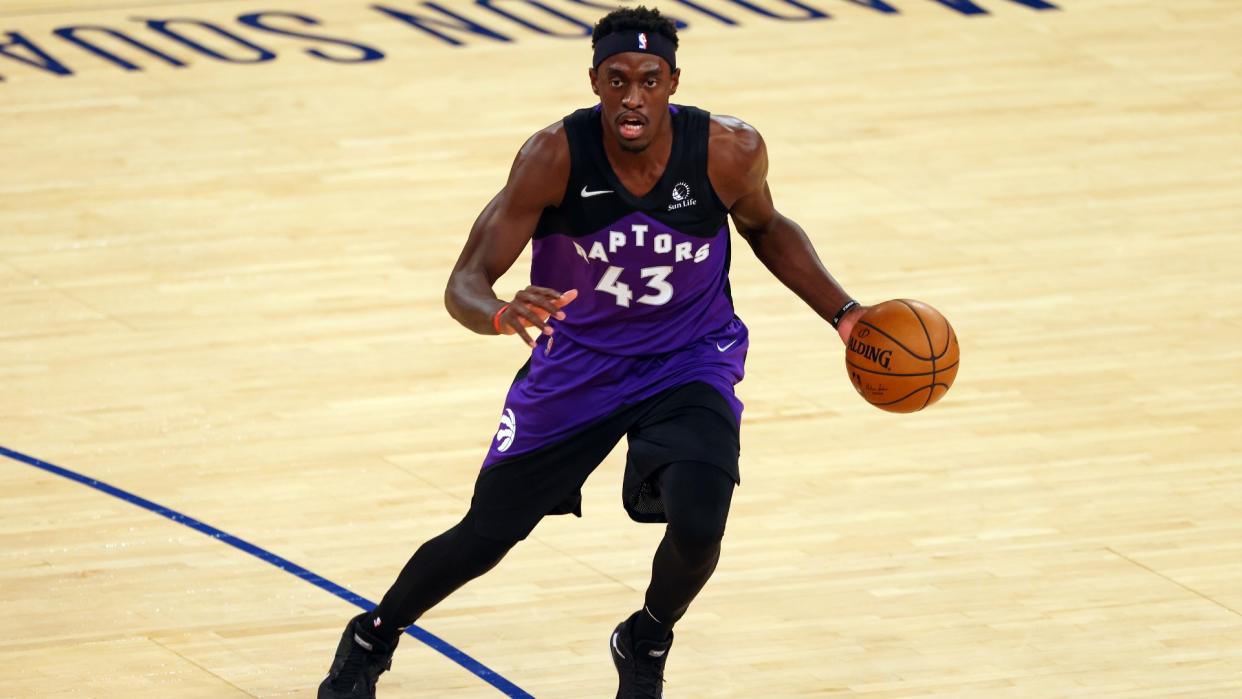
<point>633,91</point>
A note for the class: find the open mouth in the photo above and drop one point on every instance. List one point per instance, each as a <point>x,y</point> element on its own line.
<point>631,126</point>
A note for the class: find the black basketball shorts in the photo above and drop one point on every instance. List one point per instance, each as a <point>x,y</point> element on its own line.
<point>692,422</point>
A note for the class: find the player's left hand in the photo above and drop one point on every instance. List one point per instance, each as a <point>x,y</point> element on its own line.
<point>847,322</point>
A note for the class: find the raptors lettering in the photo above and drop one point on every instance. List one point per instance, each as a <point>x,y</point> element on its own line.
<point>661,243</point>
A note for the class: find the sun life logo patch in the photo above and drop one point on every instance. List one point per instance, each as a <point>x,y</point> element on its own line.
<point>681,197</point>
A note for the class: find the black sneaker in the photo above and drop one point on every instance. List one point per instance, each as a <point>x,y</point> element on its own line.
<point>360,659</point>
<point>640,664</point>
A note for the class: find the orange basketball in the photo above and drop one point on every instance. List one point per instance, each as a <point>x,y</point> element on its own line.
<point>902,356</point>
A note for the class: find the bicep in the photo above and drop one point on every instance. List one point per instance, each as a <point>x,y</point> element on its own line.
<point>507,223</point>
<point>499,234</point>
<point>754,212</point>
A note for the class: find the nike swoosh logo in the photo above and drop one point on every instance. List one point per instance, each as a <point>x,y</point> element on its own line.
<point>587,194</point>
<point>721,349</point>
<point>615,649</point>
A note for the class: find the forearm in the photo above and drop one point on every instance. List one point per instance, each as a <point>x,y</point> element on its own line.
<point>783,247</point>
<point>471,301</point>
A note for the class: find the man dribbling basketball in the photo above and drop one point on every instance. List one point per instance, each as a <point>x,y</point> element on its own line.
<point>627,204</point>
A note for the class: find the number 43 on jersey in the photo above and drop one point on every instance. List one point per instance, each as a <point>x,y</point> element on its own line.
<point>660,291</point>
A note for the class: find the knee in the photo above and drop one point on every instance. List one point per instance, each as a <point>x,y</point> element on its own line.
<point>469,542</point>
<point>697,539</point>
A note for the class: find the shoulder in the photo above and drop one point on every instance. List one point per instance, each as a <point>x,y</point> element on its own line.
<point>732,135</point>
<point>737,159</point>
<point>547,147</point>
<point>541,169</point>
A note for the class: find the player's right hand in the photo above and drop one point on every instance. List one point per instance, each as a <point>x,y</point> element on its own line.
<point>532,307</point>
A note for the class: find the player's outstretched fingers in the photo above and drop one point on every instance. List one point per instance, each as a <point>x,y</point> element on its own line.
<point>531,316</point>
<point>558,302</point>
<point>541,300</point>
<point>564,300</point>
<point>531,307</point>
<point>508,321</point>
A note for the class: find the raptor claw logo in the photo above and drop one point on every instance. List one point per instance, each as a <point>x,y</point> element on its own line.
<point>507,431</point>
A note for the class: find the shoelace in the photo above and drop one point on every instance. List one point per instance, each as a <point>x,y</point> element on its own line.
<point>352,670</point>
<point>649,676</point>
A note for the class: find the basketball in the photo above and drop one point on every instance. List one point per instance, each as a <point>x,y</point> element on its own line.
<point>902,356</point>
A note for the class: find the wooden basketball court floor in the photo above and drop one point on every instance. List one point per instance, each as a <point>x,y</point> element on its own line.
<point>221,287</point>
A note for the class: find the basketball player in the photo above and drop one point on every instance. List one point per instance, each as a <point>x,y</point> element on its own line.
<point>632,334</point>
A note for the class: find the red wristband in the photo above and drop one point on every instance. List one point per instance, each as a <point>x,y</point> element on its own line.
<point>496,318</point>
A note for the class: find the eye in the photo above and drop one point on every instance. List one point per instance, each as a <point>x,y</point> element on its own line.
<point>615,82</point>
<point>652,82</point>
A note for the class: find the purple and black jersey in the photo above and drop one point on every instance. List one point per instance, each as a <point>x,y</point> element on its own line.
<point>653,308</point>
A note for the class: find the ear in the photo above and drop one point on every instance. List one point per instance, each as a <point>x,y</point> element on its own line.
<point>594,75</point>
<point>673,79</point>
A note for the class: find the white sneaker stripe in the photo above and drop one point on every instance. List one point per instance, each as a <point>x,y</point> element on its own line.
<point>615,649</point>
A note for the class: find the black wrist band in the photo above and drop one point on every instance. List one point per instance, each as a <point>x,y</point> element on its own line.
<point>836,320</point>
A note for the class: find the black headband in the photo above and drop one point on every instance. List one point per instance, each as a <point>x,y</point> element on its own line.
<point>641,42</point>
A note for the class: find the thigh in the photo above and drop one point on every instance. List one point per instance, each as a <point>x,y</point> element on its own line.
<point>692,423</point>
<point>512,495</point>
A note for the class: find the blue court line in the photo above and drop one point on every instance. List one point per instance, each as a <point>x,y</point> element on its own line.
<point>445,648</point>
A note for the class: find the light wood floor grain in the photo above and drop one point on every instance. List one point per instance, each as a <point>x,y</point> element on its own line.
<point>221,286</point>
